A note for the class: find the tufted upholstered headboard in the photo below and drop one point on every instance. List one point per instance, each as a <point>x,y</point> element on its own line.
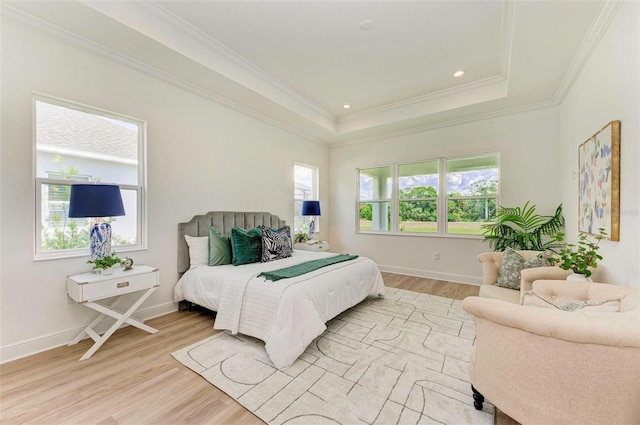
<point>222,221</point>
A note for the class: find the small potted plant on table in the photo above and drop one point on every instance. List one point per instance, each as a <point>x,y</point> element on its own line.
<point>105,264</point>
<point>301,237</point>
<point>581,258</point>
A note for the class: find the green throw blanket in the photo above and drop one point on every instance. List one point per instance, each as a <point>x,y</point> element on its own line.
<point>306,267</point>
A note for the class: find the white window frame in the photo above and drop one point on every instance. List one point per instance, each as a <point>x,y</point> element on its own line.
<point>315,172</point>
<point>140,188</point>
<point>442,200</point>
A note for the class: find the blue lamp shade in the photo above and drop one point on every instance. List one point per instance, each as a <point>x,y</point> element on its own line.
<point>311,208</point>
<point>96,200</point>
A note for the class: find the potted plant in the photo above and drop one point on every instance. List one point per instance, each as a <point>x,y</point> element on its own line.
<point>522,228</point>
<point>301,237</point>
<point>103,265</point>
<point>581,258</point>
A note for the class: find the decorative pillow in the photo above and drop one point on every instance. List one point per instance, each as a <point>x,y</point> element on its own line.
<point>513,263</point>
<point>540,260</point>
<point>246,245</point>
<point>530,298</point>
<point>198,250</point>
<point>219,248</point>
<point>276,244</point>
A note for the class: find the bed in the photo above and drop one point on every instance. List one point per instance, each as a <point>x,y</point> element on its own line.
<point>287,314</point>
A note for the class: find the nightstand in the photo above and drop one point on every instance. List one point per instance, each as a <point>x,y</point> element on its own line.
<point>88,288</point>
<point>318,246</point>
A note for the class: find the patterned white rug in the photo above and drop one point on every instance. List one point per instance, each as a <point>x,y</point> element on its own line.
<point>400,359</point>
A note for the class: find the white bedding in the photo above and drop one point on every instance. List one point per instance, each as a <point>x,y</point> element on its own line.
<point>287,314</point>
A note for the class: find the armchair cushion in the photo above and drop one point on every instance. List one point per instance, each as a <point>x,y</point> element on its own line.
<point>531,298</point>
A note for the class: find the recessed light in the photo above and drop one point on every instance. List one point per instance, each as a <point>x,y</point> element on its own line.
<point>346,106</point>
<point>459,73</point>
<point>366,25</point>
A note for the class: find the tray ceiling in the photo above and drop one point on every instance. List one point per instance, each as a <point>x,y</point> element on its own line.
<point>295,64</point>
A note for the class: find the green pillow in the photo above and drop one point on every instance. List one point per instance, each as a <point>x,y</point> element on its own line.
<point>246,245</point>
<point>219,248</point>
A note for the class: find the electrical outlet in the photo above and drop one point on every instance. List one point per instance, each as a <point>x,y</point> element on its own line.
<point>436,255</point>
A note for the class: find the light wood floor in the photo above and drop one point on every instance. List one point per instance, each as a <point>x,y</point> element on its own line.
<point>133,379</point>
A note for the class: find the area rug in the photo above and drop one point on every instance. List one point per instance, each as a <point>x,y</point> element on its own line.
<point>397,359</point>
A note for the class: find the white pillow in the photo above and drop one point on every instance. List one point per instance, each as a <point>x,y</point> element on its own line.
<point>198,250</point>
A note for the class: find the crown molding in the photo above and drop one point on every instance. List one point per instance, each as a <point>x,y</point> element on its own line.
<point>86,44</point>
<point>451,123</point>
<point>161,25</point>
<point>422,99</point>
<point>506,37</point>
<point>598,27</point>
<point>470,94</point>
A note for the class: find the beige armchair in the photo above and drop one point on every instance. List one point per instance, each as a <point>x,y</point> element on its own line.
<point>491,262</point>
<point>548,366</point>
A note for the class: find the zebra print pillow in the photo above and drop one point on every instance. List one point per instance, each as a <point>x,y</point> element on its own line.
<point>276,244</point>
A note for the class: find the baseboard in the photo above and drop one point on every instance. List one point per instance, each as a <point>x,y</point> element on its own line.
<point>459,278</point>
<point>32,346</point>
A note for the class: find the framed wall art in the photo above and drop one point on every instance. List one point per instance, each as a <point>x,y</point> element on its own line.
<point>599,182</point>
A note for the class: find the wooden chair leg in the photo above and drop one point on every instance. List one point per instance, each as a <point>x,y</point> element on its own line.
<point>478,399</point>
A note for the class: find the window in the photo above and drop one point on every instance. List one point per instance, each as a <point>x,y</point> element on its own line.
<point>418,197</point>
<point>472,193</point>
<point>76,143</point>
<point>375,199</point>
<point>442,196</point>
<point>305,187</point>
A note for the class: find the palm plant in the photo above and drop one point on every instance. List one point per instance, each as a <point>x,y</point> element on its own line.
<point>522,228</point>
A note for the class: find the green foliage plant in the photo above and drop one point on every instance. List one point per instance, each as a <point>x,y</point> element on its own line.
<point>105,262</point>
<point>301,237</point>
<point>583,257</point>
<point>522,228</point>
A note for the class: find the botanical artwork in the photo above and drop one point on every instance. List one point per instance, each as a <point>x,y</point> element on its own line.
<point>599,182</point>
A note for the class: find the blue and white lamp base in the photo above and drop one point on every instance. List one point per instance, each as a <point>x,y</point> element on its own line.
<point>312,227</point>
<point>100,240</point>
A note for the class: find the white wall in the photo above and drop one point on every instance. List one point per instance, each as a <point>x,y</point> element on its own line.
<point>530,169</point>
<point>608,88</point>
<point>201,157</point>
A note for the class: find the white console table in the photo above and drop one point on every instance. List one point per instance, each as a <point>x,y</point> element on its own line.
<point>313,245</point>
<point>88,288</point>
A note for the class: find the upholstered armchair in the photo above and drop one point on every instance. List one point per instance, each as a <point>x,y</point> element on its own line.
<point>491,262</point>
<point>543,365</point>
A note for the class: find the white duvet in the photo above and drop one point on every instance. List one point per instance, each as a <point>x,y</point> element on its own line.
<point>288,314</point>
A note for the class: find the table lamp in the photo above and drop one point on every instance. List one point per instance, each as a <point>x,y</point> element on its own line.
<point>312,209</point>
<point>96,201</point>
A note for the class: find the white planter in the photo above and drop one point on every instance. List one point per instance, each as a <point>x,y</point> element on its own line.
<point>578,278</point>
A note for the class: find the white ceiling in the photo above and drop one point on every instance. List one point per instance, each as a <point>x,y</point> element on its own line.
<point>295,63</point>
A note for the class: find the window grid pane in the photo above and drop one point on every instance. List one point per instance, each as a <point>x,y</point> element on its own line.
<point>375,216</point>
<point>60,232</point>
<point>375,184</point>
